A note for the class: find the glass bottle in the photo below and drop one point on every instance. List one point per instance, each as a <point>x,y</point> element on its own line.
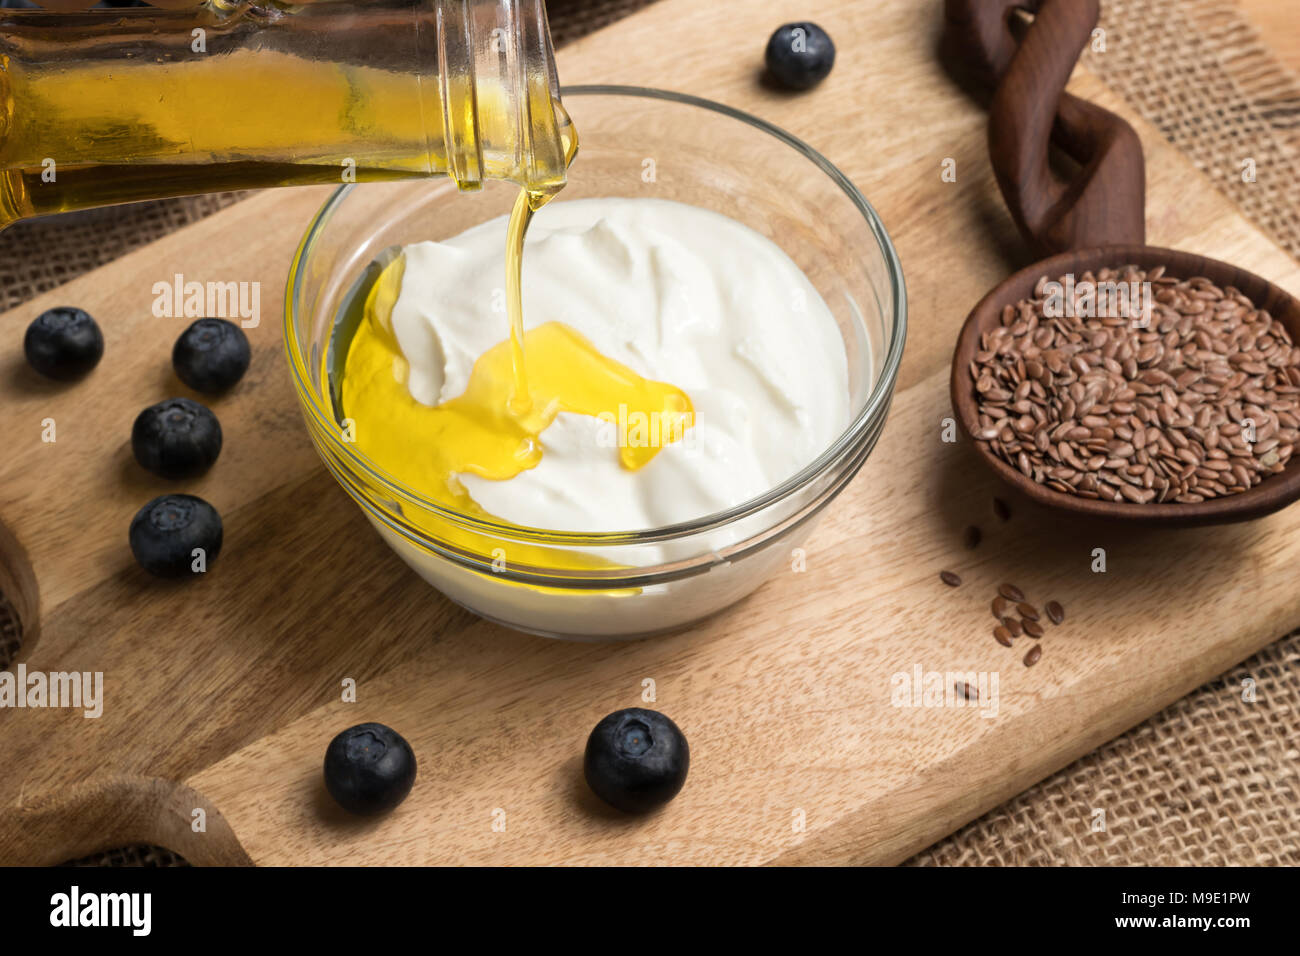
<point>115,105</point>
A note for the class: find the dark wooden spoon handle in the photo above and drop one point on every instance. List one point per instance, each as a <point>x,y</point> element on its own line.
<point>1103,200</point>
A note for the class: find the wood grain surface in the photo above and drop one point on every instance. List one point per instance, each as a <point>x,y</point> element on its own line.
<point>221,695</point>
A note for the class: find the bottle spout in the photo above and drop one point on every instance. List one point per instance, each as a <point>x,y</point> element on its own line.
<point>499,94</point>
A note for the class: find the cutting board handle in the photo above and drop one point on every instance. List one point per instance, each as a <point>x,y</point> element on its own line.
<point>1102,200</point>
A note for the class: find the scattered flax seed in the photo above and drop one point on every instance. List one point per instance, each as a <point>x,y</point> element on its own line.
<point>1034,654</point>
<point>1000,607</point>
<point>1012,625</point>
<point>1002,635</point>
<point>1197,399</point>
<point>973,537</point>
<point>1027,611</point>
<point>1012,593</point>
<point>1001,510</point>
<point>967,691</point>
<point>950,578</point>
<point>1055,612</point>
<point>1033,629</point>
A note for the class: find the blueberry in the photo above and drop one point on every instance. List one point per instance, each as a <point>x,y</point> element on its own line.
<point>211,355</point>
<point>799,55</point>
<point>63,343</point>
<point>369,769</point>
<point>178,438</point>
<point>636,760</point>
<point>165,532</point>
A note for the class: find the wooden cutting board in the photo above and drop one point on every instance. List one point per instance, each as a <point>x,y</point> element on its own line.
<point>221,694</point>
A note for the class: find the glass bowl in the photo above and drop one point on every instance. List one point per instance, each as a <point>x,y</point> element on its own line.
<point>635,142</point>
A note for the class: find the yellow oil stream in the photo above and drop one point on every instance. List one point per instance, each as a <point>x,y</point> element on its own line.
<point>494,428</point>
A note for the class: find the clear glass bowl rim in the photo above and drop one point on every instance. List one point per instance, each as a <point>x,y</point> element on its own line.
<point>875,408</point>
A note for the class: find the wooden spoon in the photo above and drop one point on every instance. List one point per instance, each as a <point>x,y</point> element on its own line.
<point>1091,222</point>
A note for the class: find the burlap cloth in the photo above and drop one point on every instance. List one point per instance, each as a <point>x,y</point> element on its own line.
<point>1210,780</point>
